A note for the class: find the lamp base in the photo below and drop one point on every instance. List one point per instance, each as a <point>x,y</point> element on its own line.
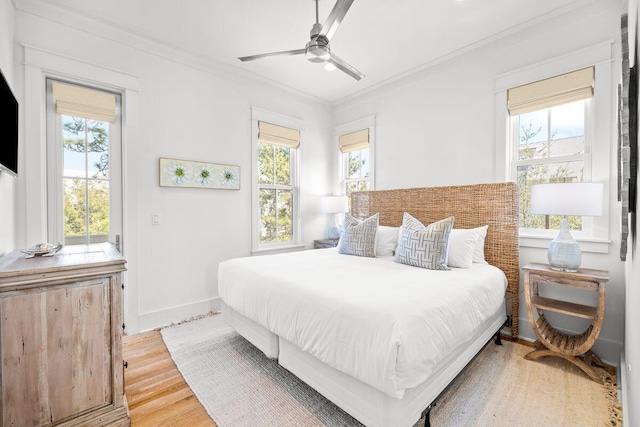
<point>333,232</point>
<point>564,251</point>
<point>563,269</point>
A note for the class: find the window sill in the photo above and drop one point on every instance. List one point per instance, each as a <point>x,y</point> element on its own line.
<point>277,249</point>
<point>598,246</point>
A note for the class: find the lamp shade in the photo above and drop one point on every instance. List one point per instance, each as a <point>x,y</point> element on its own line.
<point>334,204</point>
<point>575,198</point>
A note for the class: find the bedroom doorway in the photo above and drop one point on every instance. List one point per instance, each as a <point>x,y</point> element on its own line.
<point>84,162</point>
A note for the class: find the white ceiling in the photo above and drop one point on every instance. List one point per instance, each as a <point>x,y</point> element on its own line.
<point>384,39</point>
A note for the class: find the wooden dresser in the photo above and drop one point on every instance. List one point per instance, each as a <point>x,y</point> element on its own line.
<point>61,338</point>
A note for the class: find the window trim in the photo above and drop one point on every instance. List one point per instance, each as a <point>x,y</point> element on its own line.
<point>368,122</point>
<point>600,129</point>
<point>258,115</point>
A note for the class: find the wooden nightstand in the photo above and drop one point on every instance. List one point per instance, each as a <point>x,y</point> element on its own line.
<point>576,349</point>
<point>325,243</point>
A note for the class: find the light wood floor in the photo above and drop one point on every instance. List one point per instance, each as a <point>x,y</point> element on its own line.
<point>156,392</point>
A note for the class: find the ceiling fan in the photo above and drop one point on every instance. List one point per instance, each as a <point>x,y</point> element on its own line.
<point>318,50</point>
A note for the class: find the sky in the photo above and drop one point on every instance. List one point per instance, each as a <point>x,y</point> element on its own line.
<point>566,121</point>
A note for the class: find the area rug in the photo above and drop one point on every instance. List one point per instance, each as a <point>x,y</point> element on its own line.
<point>238,386</point>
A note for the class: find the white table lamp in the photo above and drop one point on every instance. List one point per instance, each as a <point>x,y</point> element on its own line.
<point>580,199</point>
<point>334,205</point>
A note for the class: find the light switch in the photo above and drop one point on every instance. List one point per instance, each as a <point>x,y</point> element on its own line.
<point>155,219</point>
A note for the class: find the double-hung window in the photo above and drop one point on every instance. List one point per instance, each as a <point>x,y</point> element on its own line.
<point>276,185</point>
<point>356,162</point>
<point>356,156</point>
<point>550,140</point>
<point>554,123</point>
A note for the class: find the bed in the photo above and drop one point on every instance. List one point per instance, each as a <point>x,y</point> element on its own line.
<point>367,333</point>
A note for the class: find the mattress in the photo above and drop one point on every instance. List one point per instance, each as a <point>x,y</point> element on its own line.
<point>385,324</point>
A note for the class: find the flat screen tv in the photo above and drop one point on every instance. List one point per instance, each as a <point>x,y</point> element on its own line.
<point>8,129</point>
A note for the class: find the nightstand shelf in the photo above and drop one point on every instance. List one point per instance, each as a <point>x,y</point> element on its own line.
<point>551,342</point>
<point>564,307</point>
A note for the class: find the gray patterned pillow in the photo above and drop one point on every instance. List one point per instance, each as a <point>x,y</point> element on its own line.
<point>359,236</point>
<point>422,246</point>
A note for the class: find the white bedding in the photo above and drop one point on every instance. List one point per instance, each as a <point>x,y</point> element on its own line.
<point>384,323</point>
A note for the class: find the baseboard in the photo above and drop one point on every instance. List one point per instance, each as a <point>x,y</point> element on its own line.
<point>167,316</point>
<point>623,382</point>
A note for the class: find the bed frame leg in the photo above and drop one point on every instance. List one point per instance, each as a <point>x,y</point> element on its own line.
<point>498,339</point>
<point>425,415</point>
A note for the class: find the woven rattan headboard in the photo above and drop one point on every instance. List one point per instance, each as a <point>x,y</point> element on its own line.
<point>472,206</point>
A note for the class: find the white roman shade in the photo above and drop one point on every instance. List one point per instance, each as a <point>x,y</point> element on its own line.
<point>269,133</point>
<point>550,92</point>
<point>354,141</point>
<point>82,102</point>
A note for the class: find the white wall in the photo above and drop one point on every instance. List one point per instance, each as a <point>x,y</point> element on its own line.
<point>7,182</point>
<point>630,366</point>
<point>180,107</point>
<point>438,128</point>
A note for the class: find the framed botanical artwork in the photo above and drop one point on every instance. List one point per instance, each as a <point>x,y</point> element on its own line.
<point>192,174</point>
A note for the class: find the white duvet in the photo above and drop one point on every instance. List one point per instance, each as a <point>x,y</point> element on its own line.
<point>384,323</point>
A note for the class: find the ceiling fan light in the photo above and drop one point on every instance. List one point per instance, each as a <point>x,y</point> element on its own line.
<point>330,67</point>
<point>317,54</point>
<point>318,50</point>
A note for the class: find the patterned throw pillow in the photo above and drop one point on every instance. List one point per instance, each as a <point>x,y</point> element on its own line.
<point>422,246</point>
<point>359,236</point>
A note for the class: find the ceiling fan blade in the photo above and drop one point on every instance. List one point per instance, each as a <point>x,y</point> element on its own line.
<point>343,66</point>
<point>335,18</point>
<point>268,55</point>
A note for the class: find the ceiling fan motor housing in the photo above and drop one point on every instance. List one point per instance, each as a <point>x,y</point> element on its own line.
<point>318,50</point>
<point>315,30</point>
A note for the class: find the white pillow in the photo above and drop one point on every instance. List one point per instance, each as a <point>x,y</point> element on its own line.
<point>478,254</point>
<point>462,246</point>
<point>386,240</point>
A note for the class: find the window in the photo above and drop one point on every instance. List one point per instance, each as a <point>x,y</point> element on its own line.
<point>276,189</point>
<point>551,147</point>
<point>83,141</point>
<point>275,183</point>
<point>356,156</point>
<point>550,141</point>
<point>355,161</point>
<point>85,180</point>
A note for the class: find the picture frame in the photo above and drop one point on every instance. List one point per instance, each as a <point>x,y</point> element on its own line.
<point>196,174</point>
